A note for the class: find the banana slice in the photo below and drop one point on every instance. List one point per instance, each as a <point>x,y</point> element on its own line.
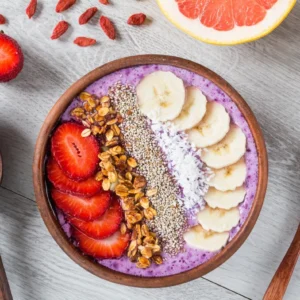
<point>212,128</point>
<point>225,200</point>
<point>193,109</point>
<point>226,152</point>
<point>229,178</point>
<point>161,96</point>
<point>199,238</point>
<point>218,220</point>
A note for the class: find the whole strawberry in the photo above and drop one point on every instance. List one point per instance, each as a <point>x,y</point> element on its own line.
<point>11,58</point>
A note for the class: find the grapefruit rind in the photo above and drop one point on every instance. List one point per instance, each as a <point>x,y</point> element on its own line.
<point>238,35</point>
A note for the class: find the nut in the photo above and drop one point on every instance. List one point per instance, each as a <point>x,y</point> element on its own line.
<point>99,176</point>
<point>123,228</point>
<point>145,251</point>
<point>86,132</point>
<point>112,176</point>
<point>157,259</point>
<point>103,111</point>
<point>109,135</point>
<point>132,162</point>
<point>149,213</point>
<point>104,99</point>
<point>143,262</point>
<point>144,230</point>
<point>105,184</point>
<point>139,182</point>
<point>84,96</point>
<point>144,202</point>
<point>121,190</point>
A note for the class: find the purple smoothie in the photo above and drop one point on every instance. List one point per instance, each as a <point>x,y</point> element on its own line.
<point>189,258</point>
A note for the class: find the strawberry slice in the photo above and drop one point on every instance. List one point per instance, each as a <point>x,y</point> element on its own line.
<point>63,183</point>
<point>111,247</point>
<point>104,226</point>
<point>11,58</point>
<point>87,209</point>
<point>77,156</point>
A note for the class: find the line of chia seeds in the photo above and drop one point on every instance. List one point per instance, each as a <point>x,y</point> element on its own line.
<point>170,222</point>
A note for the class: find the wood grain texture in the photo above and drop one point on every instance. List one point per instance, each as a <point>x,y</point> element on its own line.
<point>265,72</point>
<point>281,279</point>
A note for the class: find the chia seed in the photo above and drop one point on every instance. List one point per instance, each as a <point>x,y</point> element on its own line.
<point>170,222</point>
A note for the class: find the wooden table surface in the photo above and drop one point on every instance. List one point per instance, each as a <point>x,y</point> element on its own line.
<point>265,72</point>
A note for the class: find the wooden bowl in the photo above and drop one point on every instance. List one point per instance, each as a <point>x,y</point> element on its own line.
<point>47,211</point>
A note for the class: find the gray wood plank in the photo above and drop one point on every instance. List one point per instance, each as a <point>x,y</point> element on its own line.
<point>265,72</point>
<point>38,269</point>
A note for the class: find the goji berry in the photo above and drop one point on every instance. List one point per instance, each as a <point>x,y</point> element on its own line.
<point>105,2</point>
<point>2,19</point>
<point>84,41</point>
<point>108,27</point>
<point>59,30</point>
<point>87,15</point>
<point>136,19</point>
<point>31,8</point>
<point>63,5</point>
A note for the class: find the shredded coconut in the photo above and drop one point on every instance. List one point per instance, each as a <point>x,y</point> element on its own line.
<point>184,163</point>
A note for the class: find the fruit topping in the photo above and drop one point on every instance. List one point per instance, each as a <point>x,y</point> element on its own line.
<point>63,5</point>
<point>111,247</point>
<point>218,220</point>
<point>104,226</point>
<point>161,96</point>
<point>199,238</point>
<point>108,27</point>
<point>87,15</point>
<point>193,109</point>
<point>62,182</point>
<point>59,29</point>
<point>77,156</point>
<point>213,127</point>
<point>226,152</point>
<point>11,58</point>
<point>229,178</point>
<point>225,200</point>
<point>87,209</point>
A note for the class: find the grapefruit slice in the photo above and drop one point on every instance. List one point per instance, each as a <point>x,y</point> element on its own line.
<point>226,22</point>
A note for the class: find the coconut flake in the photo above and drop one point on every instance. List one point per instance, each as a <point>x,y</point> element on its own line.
<point>184,164</point>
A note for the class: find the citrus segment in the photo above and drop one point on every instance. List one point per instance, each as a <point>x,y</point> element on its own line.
<point>191,8</point>
<point>218,14</point>
<point>248,12</point>
<point>226,22</point>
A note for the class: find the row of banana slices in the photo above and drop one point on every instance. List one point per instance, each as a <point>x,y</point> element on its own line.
<point>162,96</point>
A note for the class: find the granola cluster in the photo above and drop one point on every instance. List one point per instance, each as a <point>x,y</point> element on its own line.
<point>118,173</point>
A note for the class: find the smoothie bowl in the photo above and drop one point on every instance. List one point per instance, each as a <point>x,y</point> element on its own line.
<point>150,171</point>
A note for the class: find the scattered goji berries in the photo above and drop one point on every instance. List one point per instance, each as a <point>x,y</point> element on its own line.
<point>136,19</point>
<point>87,15</point>
<point>2,20</point>
<point>63,5</point>
<point>84,41</point>
<point>105,2</point>
<point>59,30</point>
<point>108,27</point>
<point>31,8</point>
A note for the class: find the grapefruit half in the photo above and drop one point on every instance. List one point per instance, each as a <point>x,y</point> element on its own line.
<point>226,22</point>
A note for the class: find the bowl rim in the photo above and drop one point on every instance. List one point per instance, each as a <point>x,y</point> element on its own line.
<point>55,228</point>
